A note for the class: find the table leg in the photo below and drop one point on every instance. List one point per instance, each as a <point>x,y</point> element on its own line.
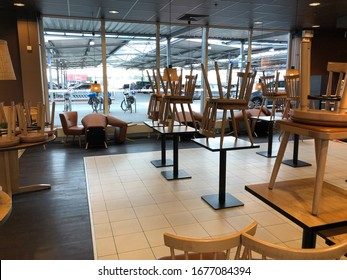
<point>223,199</point>
<point>308,239</point>
<point>163,162</point>
<point>269,153</point>
<point>10,181</point>
<point>176,173</point>
<point>295,162</point>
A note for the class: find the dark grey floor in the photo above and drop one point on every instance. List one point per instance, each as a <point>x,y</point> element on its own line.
<point>55,224</point>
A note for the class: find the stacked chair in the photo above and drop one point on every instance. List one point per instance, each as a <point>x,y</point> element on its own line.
<point>155,98</point>
<point>228,102</point>
<point>269,87</point>
<point>171,98</point>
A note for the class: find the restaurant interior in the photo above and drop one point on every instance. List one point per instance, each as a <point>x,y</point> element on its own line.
<point>207,177</point>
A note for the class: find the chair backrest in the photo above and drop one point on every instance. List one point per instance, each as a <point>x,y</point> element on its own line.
<point>268,250</point>
<point>206,248</point>
<point>171,82</point>
<point>292,86</point>
<point>190,83</point>
<point>152,82</point>
<point>336,84</point>
<point>244,85</point>
<point>268,85</point>
<point>68,119</point>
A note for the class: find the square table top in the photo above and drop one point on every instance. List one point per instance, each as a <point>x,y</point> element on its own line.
<point>293,199</point>
<point>229,143</point>
<point>175,129</point>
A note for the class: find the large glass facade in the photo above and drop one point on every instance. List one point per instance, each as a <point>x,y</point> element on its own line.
<point>76,57</point>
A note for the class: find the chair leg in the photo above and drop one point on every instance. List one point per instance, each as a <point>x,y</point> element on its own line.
<point>192,115</point>
<point>236,133</point>
<point>224,119</point>
<point>249,132</point>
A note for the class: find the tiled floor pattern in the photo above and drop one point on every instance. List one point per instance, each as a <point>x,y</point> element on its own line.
<point>132,205</point>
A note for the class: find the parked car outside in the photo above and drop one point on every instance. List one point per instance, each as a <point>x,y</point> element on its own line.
<point>214,89</point>
<point>257,96</point>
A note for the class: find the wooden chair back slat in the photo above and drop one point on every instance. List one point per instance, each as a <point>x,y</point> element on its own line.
<point>265,250</point>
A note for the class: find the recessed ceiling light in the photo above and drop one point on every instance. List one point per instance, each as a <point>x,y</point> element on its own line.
<point>113,12</point>
<point>315,26</point>
<point>18,4</point>
<point>314,4</point>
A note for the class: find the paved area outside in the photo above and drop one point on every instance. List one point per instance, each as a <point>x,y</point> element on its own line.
<point>138,114</point>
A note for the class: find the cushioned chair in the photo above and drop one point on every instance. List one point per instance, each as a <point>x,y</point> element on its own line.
<point>95,129</point>
<point>218,248</point>
<point>120,131</point>
<point>70,126</point>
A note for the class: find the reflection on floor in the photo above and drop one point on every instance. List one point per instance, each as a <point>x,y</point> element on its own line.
<point>132,205</point>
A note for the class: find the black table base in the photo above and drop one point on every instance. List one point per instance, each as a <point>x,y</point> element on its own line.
<point>171,175</point>
<point>216,203</point>
<point>160,163</point>
<point>268,154</point>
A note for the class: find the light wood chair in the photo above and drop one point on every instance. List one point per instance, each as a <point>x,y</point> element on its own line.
<point>269,87</point>
<point>177,97</point>
<point>218,248</point>
<point>255,247</point>
<point>227,102</point>
<point>26,134</point>
<point>155,98</point>
<point>336,83</point>
<point>292,88</point>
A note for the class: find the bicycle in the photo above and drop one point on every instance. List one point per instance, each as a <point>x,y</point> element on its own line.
<point>128,101</point>
<point>96,101</point>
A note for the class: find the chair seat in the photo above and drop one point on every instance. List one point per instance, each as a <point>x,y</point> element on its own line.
<point>76,130</point>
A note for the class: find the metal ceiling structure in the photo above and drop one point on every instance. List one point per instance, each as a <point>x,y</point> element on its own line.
<point>131,32</point>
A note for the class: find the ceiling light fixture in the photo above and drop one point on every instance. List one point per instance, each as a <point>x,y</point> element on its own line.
<point>18,4</point>
<point>316,26</point>
<point>314,4</point>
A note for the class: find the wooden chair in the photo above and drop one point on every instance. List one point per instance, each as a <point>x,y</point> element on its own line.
<point>266,250</point>
<point>292,87</point>
<point>174,99</point>
<point>26,133</point>
<point>335,87</point>
<point>333,113</point>
<point>269,86</point>
<point>228,102</point>
<point>9,123</point>
<point>70,127</point>
<point>155,98</point>
<point>218,248</point>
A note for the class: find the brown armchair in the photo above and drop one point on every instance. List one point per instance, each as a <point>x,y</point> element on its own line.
<point>70,126</point>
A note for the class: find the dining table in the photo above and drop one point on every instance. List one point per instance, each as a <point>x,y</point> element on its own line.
<point>223,199</point>
<point>9,164</point>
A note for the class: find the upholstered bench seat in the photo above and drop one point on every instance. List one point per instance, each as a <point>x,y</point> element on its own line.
<point>95,129</point>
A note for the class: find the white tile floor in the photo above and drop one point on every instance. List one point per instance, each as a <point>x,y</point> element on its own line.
<point>132,205</point>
